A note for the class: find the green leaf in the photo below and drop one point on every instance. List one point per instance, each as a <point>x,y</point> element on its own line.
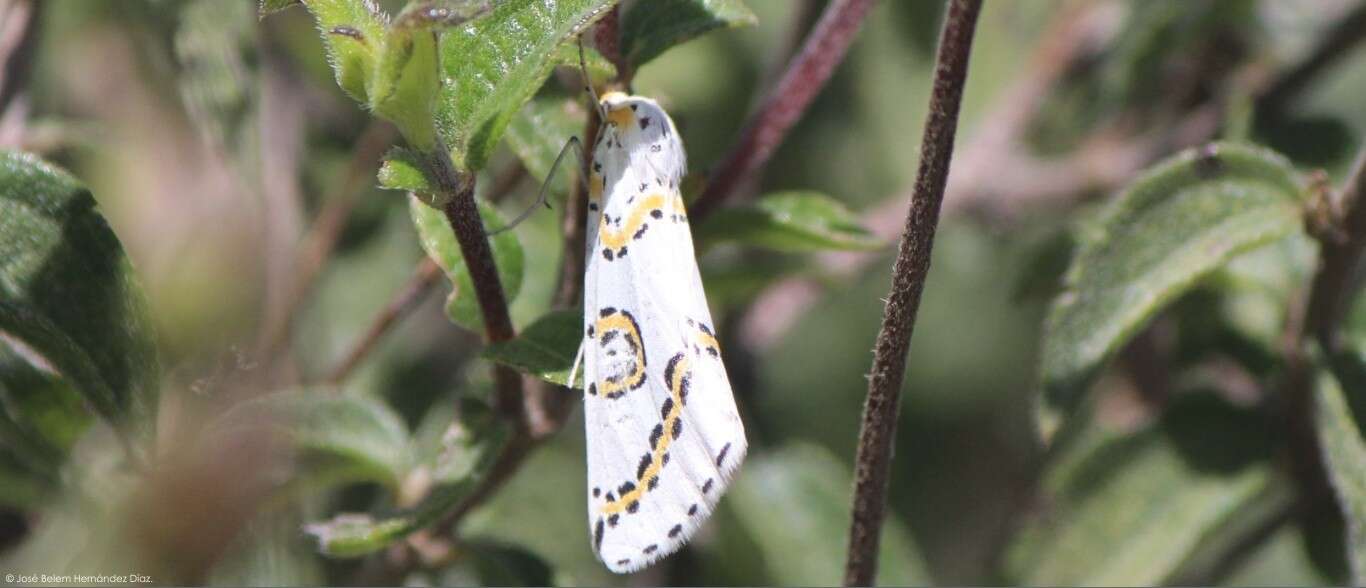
<point>493,66</point>
<point>538,134</point>
<point>1173,226</point>
<point>404,85</point>
<point>1131,508</point>
<point>439,242</point>
<point>789,221</point>
<point>69,299</point>
<point>649,29</point>
<point>545,348</point>
<point>338,438</point>
<point>794,504</point>
<point>354,534</point>
<point>353,32</point>
<point>403,169</point>
<point>1344,456</point>
<point>41,417</point>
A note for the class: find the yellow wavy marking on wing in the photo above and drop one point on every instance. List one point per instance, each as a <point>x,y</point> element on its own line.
<point>619,322</point>
<point>618,238</point>
<point>708,340</point>
<point>680,375</point>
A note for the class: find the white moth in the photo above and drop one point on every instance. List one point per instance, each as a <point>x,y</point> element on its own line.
<point>664,437</point>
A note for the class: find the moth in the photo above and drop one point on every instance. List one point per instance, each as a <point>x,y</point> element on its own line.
<point>664,436</point>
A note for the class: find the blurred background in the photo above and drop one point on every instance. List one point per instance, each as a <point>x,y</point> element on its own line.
<point>222,152</point>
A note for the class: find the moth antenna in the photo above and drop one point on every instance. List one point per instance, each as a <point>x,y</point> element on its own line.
<point>541,195</point>
<point>588,82</point>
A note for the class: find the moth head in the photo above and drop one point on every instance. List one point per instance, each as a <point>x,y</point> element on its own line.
<point>635,116</point>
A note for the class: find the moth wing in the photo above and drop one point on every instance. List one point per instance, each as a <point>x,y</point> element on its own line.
<point>664,435</point>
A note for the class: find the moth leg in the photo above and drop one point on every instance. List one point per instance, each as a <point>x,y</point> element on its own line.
<point>574,370</point>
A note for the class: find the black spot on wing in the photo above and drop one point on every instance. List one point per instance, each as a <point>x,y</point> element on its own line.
<point>633,506</point>
<point>677,529</point>
<point>722,457</point>
<point>612,520</point>
<point>678,428</point>
<point>651,548</point>
<point>657,213</point>
<point>626,487</point>
<point>692,510</point>
<point>655,435</point>
<point>644,122</point>
<point>707,486</point>
<point>667,408</point>
<point>597,536</point>
<point>597,492</point>
<point>644,464</point>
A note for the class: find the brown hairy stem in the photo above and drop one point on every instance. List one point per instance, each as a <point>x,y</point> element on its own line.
<point>878,430</point>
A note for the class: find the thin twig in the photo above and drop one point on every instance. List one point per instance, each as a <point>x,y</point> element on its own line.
<point>878,430</point>
<point>424,278</point>
<point>317,245</point>
<point>806,75</point>
<point>1337,43</point>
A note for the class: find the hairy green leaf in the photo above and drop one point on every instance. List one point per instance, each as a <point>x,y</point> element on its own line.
<point>404,85</point>
<point>353,32</point>
<point>545,349</point>
<point>1173,226</point>
<point>403,169</point>
<point>1131,508</point>
<point>789,221</point>
<point>649,29</point>
<point>794,503</point>
<point>539,132</point>
<point>493,66</point>
<point>1344,454</point>
<point>439,242</point>
<point>354,534</point>
<point>69,299</point>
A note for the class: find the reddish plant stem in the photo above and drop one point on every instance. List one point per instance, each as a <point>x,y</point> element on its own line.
<point>317,245</point>
<point>461,211</point>
<point>807,73</point>
<point>878,430</point>
<point>424,278</point>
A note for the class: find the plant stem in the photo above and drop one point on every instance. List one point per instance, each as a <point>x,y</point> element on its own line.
<point>424,278</point>
<point>317,245</point>
<point>878,430</point>
<point>1333,287</point>
<point>457,190</point>
<point>806,74</point>
<point>1334,283</point>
